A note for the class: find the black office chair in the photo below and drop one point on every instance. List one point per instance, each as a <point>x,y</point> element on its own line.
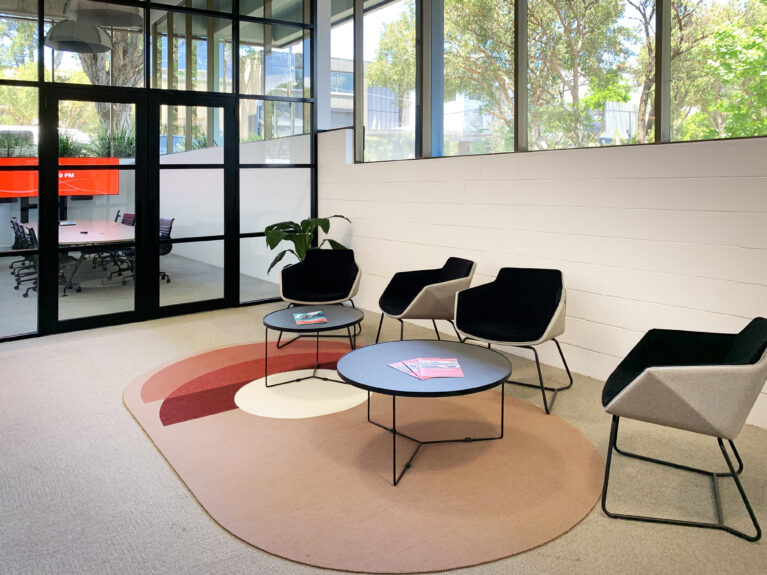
<point>425,294</point>
<point>702,382</point>
<point>522,307</point>
<point>166,225</point>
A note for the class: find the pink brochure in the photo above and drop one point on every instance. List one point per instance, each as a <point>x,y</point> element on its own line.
<point>400,366</point>
<point>429,367</point>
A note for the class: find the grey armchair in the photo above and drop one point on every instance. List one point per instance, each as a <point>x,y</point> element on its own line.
<point>425,294</point>
<point>702,382</point>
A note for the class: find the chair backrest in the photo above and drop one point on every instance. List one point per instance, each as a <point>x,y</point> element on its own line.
<point>166,225</point>
<point>129,219</point>
<point>534,292</point>
<point>323,276</point>
<point>455,268</point>
<point>32,238</point>
<point>749,345</point>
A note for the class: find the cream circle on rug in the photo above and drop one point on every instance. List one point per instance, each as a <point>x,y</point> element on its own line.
<point>307,398</point>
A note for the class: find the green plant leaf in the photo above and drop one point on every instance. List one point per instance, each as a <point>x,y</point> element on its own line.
<point>279,257</point>
<point>274,237</point>
<point>302,242</point>
<point>335,245</point>
<point>324,224</point>
<point>340,216</point>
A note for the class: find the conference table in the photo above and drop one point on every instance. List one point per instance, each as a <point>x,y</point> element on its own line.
<point>89,235</point>
<point>371,368</point>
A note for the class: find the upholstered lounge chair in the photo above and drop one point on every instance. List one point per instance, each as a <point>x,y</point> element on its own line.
<point>425,294</point>
<point>522,307</point>
<point>696,381</point>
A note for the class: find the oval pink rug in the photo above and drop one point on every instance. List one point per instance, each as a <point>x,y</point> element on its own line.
<point>318,490</point>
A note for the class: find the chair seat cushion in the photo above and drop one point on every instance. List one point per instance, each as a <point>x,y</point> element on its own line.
<point>500,331</point>
<point>316,293</point>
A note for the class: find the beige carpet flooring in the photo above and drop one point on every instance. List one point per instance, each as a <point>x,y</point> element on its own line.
<point>318,490</point>
<point>82,489</point>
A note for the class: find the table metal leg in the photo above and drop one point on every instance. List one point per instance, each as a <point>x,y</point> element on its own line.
<point>314,370</point>
<point>393,430</point>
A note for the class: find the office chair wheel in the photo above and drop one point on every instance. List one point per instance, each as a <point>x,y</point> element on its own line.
<point>167,281</point>
<point>24,294</point>
<point>15,287</point>
<point>124,282</point>
<point>78,289</point>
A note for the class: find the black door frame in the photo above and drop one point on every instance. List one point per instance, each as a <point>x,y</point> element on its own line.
<point>231,207</point>
<point>48,303</point>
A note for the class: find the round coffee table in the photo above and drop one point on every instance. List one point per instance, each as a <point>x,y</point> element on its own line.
<point>338,316</point>
<point>368,368</point>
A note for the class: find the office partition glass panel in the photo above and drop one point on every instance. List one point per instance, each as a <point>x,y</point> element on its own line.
<point>214,5</point>
<point>191,135</point>
<point>191,52</point>
<point>196,270</point>
<point>18,294</point>
<point>195,201</point>
<point>389,53</point>
<point>96,208</point>
<point>19,132</point>
<point>96,130</point>
<point>342,74</point>
<point>718,69</point>
<point>97,251</point>
<point>263,120</point>
<point>255,283</point>
<point>94,43</point>
<point>18,41</point>
<point>587,67</point>
<point>288,10</point>
<point>273,195</point>
<point>274,60</point>
<point>478,113</point>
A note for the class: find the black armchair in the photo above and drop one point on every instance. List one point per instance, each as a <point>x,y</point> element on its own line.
<point>522,307</point>
<point>425,294</point>
<point>702,382</point>
<point>323,277</point>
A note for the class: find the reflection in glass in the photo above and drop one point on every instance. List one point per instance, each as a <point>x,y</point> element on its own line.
<point>18,126</point>
<point>196,270</point>
<point>273,195</point>
<point>479,79</point>
<point>94,43</point>
<point>265,120</point>
<point>191,52</point>
<point>191,128</point>
<point>390,83</point>
<point>272,60</point>
<point>96,130</point>
<point>18,41</point>
<point>287,10</point>
<point>255,283</point>
<point>215,5</point>
<point>19,311</point>
<point>195,199</point>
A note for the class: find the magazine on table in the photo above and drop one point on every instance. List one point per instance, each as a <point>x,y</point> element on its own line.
<point>310,317</point>
<point>429,367</point>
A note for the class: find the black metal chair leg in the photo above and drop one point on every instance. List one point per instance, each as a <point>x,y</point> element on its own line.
<point>380,323</point>
<point>455,329</point>
<point>733,473</point>
<point>547,405</point>
<point>401,329</point>
<point>434,322</point>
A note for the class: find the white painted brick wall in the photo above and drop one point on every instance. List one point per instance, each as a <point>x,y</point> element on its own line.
<point>671,236</point>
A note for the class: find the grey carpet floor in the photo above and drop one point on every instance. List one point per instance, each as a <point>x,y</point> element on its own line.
<point>83,490</point>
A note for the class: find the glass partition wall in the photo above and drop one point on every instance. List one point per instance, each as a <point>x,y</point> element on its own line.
<point>144,146</point>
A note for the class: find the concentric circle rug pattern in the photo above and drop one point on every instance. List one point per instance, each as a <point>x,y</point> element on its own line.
<point>318,490</point>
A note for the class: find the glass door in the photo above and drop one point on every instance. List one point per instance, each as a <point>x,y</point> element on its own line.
<point>196,199</point>
<point>96,202</point>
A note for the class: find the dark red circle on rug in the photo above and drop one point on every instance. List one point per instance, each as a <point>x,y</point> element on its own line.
<point>318,490</point>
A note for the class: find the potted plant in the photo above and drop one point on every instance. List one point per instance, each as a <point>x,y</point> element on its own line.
<point>301,235</point>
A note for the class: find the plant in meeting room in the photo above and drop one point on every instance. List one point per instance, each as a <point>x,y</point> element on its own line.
<point>301,235</point>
